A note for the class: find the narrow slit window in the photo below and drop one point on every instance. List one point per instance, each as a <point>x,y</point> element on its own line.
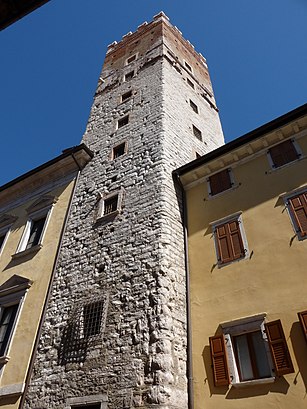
<point>123,121</point>
<point>194,106</point>
<point>188,66</point>
<point>190,83</point>
<point>197,133</point>
<point>119,150</point>
<point>126,96</point>
<point>129,76</point>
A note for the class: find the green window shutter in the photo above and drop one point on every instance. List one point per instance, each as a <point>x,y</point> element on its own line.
<point>219,360</point>
<point>279,348</point>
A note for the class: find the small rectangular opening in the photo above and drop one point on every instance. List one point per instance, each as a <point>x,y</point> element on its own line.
<point>119,150</point>
<point>129,76</point>
<point>132,58</point>
<point>126,96</point>
<point>194,106</point>
<point>190,83</point>
<point>123,121</point>
<point>92,317</point>
<point>110,205</point>
<point>197,133</point>
<point>188,66</point>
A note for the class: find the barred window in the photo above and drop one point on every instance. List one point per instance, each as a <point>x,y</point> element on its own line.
<point>92,317</point>
<point>110,205</point>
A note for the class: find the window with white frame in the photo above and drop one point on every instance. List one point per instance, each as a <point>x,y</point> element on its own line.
<point>230,239</point>
<point>6,222</point>
<point>283,153</point>
<point>249,351</point>
<point>35,229</point>
<point>12,294</point>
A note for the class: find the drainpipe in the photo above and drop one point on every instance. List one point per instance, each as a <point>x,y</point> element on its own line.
<point>40,327</point>
<point>188,299</point>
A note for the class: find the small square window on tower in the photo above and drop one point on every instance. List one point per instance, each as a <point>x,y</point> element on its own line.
<point>131,59</point>
<point>297,208</point>
<point>197,132</point>
<point>110,205</point>
<point>283,153</point>
<point>188,66</point>
<point>194,106</point>
<point>119,150</point>
<point>126,96</point>
<point>129,76</point>
<point>123,121</point>
<point>190,83</point>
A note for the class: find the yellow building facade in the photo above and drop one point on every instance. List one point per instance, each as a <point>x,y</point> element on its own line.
<point>33,210</point>
<point>246,221</point>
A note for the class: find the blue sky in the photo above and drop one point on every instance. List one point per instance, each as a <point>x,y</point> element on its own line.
<point>51,61</point>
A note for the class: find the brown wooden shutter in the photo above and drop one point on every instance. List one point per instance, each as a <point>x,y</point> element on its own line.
<point>219,360</point>
<point>229,240</point>
<point>219,182</point>
<point>283,153</point>
<point>303,320</point>
<point>299,209</point>
<point>279,348</point>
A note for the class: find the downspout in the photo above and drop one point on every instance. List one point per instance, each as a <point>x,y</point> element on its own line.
<point>188,299</point>
<point>40,327</point>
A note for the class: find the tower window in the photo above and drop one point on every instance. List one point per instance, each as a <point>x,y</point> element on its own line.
<point>123,121</point>
<point>190,83</point>
<point>126,96</point>
<point>92,317</point>
<point>131,59</point>
<point>119,150</point>
<point>188,66</point>
<point>194,106</point>
<point>197,133</point>
<point>110,205</point>
<point>129,76</point>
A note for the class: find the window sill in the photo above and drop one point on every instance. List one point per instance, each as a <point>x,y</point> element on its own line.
<point>233,187</point>
<point>107,216</point>
<point>245,384</point>
<point>4,359</point>
<point>31,250</point>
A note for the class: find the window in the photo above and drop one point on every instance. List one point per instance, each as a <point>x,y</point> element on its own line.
<point>129,76</point>
<point>6,222</point>
<point>131,59</point>
<point>126,96</point>
<point>249,351</point>
<point>197,132</point>
<point>230,241</point>
<point>110,205</point>
<point>92,318</point>
<point>119,150</point>
<point>283,153</point>
<point>39,215</point>
<point>297,207</point>
<point>122,121</point>
<point>12,294</point>
<point>303,320</point>
<point>188,66</point>
<point>190,83</point>
<point>194,106</point>
<point>220,181</point>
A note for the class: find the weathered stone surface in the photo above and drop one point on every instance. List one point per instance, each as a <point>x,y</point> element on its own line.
<point>133,261</point>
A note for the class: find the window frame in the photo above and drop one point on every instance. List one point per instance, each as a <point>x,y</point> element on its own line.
<point>237,217</point>
<point>113,157</point>
<point>4,232</point>
<point>294,222</point>
<point>134,56</point>
<point>296,148</point>
<point>101,204</point>
<point>6,223</point>
<point>190,83</point>
<point>197,133</point>
<point>123,118</point>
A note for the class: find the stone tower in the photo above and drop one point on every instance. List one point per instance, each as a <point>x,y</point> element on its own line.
<point>114,334</point>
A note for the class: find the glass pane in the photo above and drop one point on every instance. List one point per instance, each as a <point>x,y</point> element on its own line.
<point>261,355</point>
<point>243,357</point>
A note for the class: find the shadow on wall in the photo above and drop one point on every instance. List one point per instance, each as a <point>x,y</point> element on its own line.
<point>300,350</point>
<point>279,386</point>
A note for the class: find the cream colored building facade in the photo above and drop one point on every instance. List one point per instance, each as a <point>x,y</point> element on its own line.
<point>33,210</point>
<point>246,212</point>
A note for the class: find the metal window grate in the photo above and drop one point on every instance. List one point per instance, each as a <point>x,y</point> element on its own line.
<point>92,316</point>
<point>110,205</point>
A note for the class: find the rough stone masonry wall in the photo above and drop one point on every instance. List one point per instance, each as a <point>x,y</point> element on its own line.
<point>134,262</point>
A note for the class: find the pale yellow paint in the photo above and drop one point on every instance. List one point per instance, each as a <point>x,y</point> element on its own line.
<point>38,268</point>
<point>273,280</point>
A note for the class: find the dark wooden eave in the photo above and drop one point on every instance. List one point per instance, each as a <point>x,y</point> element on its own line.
<point>13,10</point>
